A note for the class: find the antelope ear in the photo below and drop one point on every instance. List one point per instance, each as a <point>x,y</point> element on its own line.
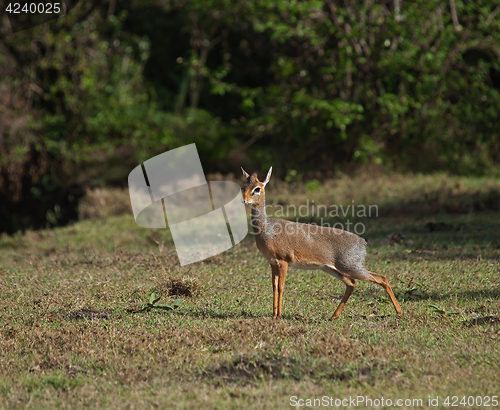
<point>268,176</point>
<point>245,173</point>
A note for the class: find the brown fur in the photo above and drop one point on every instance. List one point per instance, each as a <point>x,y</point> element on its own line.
<point>284,243</point>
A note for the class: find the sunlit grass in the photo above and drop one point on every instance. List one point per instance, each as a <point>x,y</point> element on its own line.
<point>69,337</point>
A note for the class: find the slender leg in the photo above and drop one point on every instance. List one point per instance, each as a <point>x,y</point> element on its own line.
<point>382,281</point>
<point>282,266</point>
<point>275,276</point>
<point>349,287</point>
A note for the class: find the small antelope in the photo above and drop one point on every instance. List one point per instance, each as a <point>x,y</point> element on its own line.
<point>291,244</point>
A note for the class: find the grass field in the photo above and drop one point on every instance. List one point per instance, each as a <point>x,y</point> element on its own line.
<point>70,337</point>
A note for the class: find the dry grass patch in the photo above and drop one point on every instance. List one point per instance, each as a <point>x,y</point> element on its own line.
<point>485,320</point>
<point>101,203</point>
<point>183,287</point>
<point>87,314</point>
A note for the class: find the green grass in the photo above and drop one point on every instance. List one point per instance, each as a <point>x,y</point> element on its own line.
<point>68,339</point>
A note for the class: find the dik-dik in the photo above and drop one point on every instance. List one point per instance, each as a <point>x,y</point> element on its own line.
<point>291,244</point>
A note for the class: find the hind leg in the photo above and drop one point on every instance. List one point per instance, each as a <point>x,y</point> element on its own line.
<point>382,281</point>
<point>349,287</point>
<point>349,283</point>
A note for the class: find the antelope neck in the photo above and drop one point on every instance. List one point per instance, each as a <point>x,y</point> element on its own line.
<point>259,217</point>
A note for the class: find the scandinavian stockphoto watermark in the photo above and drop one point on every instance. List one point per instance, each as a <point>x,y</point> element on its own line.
<point>376,402</point>
<point>324,216</point>
<point>205,218</point>
<point>354,401</point>
<point>208,217</point>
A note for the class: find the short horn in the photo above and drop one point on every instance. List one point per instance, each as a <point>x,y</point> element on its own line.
<point>268,176</point>
<point>245,173</point>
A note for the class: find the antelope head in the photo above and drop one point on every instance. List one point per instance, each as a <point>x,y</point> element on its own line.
<point>253,190</point>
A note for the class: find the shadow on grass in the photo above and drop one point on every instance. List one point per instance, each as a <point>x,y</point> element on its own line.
<point>438,255</point>
<point>411,203</point>
<point>444,200</point>
<point>216,314</point>
<point>251,368</point>
<point>441,240</point>
<point>476,295</point>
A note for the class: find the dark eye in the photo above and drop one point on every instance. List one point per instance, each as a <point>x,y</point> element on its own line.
<point>256,190</point>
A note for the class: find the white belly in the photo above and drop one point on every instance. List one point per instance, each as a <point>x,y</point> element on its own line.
<point>304,266</point>
<point>328,268</point>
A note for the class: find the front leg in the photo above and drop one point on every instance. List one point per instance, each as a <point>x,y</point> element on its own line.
<point>275,276</point>
<point>282,268</point>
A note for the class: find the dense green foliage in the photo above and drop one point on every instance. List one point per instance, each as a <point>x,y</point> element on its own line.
<point>306,86</point>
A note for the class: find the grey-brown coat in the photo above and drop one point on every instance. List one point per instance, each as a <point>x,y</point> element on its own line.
<point>292,244</point>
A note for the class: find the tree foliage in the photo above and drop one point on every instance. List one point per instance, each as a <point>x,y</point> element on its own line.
<point>306,86</point>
